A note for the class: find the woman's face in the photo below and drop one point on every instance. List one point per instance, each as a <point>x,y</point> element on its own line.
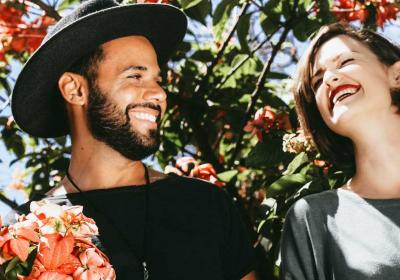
<point>350,84</point>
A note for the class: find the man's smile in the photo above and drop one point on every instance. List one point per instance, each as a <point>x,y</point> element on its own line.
<point>144,114</point>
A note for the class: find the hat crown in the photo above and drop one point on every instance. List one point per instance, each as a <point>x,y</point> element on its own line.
<point>86,8</point>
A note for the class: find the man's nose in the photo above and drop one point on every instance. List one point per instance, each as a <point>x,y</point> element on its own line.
<point>155,93</point>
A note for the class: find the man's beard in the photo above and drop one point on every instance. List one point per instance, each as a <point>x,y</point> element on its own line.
<point>112,126</point>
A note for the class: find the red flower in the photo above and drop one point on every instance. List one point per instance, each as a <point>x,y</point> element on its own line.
<point>350,10</point>
<point>266,120</point>
<point>206,172</point>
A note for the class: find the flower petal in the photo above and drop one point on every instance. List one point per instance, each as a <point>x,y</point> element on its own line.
<point>20,247</point>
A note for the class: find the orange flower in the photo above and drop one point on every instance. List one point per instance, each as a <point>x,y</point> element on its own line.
<point>55,250</point>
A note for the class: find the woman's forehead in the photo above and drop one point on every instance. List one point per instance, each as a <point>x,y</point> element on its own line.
<point>334,49</point>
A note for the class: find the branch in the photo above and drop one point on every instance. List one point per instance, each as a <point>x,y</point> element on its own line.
<point>259,87</point>
<point>210,68</point>
<point>237,66</point>
<point>50,11</point>
<point>11,203</point>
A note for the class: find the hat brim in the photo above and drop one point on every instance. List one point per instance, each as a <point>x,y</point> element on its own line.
<point>37,104</point>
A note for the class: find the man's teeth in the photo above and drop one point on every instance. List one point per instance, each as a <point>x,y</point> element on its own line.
<point>145,116</point>
<point>343,94</point>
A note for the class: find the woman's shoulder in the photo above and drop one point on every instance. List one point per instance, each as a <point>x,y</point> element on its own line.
<point>314,206</point>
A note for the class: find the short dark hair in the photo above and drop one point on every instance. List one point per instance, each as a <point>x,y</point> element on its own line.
<point>333,147</point>
<point>87,65</point>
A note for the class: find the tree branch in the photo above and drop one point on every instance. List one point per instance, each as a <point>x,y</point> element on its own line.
<point>50,11</point>
<point>237,66</point>
<point>260,85</point>
<point>10,203</point>
<point>210,68</point>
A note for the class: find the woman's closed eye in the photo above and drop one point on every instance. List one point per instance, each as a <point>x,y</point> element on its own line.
<point>346,61</point>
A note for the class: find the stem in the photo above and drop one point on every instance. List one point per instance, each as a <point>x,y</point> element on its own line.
<point>8,202</point>
<point>210,68</point>
<point>259,87</point>
<point>50,11</point>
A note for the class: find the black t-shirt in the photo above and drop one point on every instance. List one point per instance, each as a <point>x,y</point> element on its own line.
<point>193,229</point>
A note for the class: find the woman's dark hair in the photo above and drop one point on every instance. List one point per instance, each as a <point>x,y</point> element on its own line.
<point>333,147</point>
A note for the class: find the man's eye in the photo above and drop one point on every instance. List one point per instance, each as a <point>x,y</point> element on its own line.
<point>346,61</point>
<point>135,76</point>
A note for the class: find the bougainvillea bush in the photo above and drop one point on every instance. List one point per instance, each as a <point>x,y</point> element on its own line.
<point>230,118</point>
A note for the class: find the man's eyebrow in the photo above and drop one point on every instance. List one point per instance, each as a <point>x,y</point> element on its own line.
<point>138,68</point>
<point>135,67</point>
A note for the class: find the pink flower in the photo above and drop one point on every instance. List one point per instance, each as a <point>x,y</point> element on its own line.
<point>94,267</point>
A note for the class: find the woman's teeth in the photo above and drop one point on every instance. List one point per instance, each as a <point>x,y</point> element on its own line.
<point>343,94</point>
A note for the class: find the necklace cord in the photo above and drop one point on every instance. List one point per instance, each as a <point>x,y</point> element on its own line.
<point>113,226</point>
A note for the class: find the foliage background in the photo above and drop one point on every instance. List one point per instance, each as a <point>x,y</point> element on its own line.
<point>229,100</point>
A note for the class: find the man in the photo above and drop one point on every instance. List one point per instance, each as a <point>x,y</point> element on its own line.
<point>96,76</point>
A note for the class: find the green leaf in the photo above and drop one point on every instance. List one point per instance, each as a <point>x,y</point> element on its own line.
<point>269,23</point>
<point>12,264</point>
<point>187,4</point>
<point>66,4</point>
<point>221,17</point>
<point>242,31</point>
<point>305,27</point>
<point>200,11</point>
<point>300,160</point>
<point>203,55</point>
<point>287,184</point>
<point>227,176</point>
<point>277,75</point>
<point>266,154</point>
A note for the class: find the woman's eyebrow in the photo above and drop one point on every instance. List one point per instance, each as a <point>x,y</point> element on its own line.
<point>336,58</point>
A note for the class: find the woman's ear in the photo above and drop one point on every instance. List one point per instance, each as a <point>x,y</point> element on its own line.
<point>74,88</point>
<point>394,75</point>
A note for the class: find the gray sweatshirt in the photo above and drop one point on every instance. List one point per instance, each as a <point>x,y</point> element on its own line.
<point>339,235</point>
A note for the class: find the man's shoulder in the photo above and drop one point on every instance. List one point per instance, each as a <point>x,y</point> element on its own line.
<point>193,183</point>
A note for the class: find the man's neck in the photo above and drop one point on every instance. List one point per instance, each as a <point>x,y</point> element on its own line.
<point>95,165</point>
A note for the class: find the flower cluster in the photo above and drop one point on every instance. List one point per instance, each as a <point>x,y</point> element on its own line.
<point>52,242</point>
<point>351,10</point>
<point>190,167</point>
<point>17,35</point>
<point>297,143</point>
<point>266,120</point>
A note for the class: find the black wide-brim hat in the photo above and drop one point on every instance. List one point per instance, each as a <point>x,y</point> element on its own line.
<point>36,102</point>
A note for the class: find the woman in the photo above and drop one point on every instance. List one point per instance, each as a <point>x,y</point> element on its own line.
<point>345,93</point>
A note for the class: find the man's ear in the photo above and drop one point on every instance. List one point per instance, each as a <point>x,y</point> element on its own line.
<point>74,88</point>
<point>394,75</point>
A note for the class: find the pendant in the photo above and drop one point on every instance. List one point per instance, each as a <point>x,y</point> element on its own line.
<point>145,271</point>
